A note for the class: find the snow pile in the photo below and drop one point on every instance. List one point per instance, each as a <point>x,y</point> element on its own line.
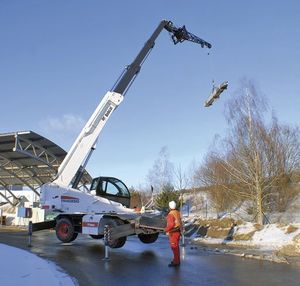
<point>19,267</point>
<point>274,236</point>
<point>244,231</point>
<point>268,237</point>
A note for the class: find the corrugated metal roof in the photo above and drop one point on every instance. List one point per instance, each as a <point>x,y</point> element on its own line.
<point>29,159</point>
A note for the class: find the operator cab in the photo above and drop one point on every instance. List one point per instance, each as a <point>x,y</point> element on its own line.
<point>112,189</point>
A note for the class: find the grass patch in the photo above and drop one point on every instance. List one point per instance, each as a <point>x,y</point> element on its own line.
<point>296,239</point>
<point>217,232</point>
<point>221,223</point>
<point>291,228</point>
<point>244,236</point>
<point>258,227</point>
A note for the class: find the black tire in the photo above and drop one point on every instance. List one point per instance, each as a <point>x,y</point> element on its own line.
<point>148,238</point>
<point>119,242</point>
<point>65,230</point>
<point>94,236</point>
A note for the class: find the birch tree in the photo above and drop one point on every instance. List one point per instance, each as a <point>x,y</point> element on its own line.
<point>161,173</point>
<point>181,180</point>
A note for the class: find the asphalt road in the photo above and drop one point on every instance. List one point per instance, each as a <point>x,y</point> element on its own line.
<point>146,264</point>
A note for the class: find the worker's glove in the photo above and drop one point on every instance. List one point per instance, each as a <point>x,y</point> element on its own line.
<point>167,233</point>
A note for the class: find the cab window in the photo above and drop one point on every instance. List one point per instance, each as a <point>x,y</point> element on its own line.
<point>123,190</point>
<point>112,190</point>
<point>94,184</point>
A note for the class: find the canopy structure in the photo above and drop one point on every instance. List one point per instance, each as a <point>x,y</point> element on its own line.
<point>28,160</point>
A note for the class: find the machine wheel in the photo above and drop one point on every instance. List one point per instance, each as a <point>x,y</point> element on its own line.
<point>65,230</point>
<point>148,238</point>
<point>119,242</point>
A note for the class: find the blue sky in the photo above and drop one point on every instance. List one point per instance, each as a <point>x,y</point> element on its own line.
<point>58,58</point>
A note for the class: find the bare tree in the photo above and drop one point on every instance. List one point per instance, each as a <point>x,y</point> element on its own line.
<point>181,181</point>
<point>143,196</point>
<point>255,157</point>
<point>217,181</point>
<point>135,198</point>
<point>286,147</point>
<point>161,173</point>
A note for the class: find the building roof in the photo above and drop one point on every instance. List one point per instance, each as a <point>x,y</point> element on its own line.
<point>28,159</point>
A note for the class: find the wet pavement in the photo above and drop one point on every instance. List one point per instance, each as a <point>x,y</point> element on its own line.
<point>146,264</point>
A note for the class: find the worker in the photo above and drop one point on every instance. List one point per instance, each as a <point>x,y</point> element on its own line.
<point>173,230</point>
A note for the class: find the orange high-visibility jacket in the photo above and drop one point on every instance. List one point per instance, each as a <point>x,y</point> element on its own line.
<point>173,221</point>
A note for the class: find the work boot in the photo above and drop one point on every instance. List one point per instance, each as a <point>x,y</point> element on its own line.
<point>172,264</point>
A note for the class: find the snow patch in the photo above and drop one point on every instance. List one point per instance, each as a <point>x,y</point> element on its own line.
<point>244,228</point>
<point>268,237</point>
<point>273,236</point>
<point>19,267</point>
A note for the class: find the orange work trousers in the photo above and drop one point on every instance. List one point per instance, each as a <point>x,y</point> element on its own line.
<point>174,238</point>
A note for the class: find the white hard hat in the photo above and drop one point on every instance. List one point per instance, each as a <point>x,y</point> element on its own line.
<point>172,205</point>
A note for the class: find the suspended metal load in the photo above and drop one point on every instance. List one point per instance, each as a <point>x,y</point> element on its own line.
<point>216,92</point>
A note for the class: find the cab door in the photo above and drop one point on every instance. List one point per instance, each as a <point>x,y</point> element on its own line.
<point>112,189</point>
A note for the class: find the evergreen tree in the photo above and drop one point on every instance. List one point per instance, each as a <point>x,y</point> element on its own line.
<point>165,196</point>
